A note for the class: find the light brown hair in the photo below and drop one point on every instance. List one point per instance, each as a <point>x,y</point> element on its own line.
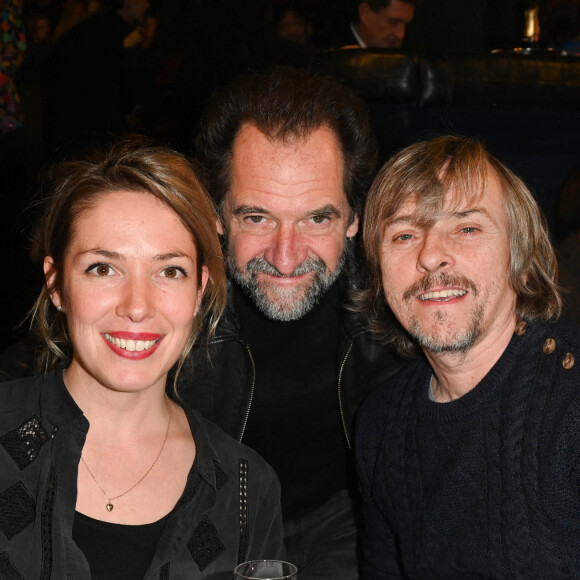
<point>427,172</point>
<point>74,186</point>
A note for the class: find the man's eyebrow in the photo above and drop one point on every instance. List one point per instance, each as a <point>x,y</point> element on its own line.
<point>468,212</point>
<point>326,211</point>
<point>248,209</point>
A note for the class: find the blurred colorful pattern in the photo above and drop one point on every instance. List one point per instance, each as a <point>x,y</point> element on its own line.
<point>12,48</point>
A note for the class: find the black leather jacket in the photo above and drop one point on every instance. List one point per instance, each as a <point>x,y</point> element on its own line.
<point>220,382</point>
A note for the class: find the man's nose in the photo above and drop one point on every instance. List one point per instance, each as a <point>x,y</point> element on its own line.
<point>287,250</point>
<point>434,253</point>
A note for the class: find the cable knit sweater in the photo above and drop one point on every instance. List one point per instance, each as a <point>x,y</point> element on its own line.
<point>486,486</point>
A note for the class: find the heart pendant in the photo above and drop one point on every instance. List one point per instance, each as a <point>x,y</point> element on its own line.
<point>109,507</point>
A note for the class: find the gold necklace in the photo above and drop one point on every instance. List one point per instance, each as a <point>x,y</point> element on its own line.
<point>109,504</point>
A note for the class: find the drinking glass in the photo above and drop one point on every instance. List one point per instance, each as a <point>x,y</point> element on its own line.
<point>266,570</point>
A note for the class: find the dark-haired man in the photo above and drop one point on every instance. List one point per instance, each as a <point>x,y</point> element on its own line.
<point>469,459</point>
<point>287,157</point>
<point>373,24</point>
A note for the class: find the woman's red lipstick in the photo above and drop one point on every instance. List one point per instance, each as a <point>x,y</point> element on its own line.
<point>132,345</point>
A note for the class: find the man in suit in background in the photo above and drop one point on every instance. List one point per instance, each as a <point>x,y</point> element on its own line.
<point>373,24</point>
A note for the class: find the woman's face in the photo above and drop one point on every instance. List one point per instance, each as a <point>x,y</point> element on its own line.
<point>130,292</point>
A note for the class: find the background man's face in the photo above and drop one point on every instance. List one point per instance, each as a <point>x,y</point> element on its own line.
<point>134,11</point>
<point>448,282</point>
<point>384,28</point>
<point>286,218</point>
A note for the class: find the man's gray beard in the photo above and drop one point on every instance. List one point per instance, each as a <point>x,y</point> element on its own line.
<point>290,303</point>
<point>460,343</point>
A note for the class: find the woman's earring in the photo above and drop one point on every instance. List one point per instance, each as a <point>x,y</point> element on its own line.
<point>59,308</point>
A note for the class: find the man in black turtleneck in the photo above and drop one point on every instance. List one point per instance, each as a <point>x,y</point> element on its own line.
<point>287,156</point>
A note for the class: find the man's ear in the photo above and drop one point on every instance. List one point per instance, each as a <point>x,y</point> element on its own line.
<point>363,12</point>
<point>50,280</point>
<point>220,227</point>
<point>353,227</point>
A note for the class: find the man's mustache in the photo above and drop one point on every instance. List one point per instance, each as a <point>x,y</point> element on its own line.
<point>256,265</point>
<point>439,280</point>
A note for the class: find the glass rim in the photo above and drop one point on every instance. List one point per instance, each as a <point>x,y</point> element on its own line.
<point>292,568</point>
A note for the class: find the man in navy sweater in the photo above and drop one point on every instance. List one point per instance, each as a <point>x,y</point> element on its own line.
<point>469,458</point>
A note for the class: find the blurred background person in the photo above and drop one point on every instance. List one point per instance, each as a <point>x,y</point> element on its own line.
<point>373,24</point>
<point>12,49</point>
<point>224,39</point>
<point>72,13</point>
<point>293,21</point>
<point>84,84</point>
<point>13,159</point>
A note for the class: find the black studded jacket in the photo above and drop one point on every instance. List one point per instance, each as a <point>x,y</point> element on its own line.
<point>229,511</point>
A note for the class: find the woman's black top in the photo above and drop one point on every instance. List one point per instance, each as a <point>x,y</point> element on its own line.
<point>116,551</point>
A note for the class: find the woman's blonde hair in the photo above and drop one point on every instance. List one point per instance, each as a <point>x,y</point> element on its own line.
<point>73,186</point>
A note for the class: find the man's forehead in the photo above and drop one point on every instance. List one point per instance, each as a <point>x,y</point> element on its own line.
<point>307,170</point>
<point>399,11</point>
<point>250,132</point>
<point>419,210</point>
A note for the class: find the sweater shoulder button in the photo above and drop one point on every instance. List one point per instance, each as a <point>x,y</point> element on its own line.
<point>568,361</point>
<point>549,346</point>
